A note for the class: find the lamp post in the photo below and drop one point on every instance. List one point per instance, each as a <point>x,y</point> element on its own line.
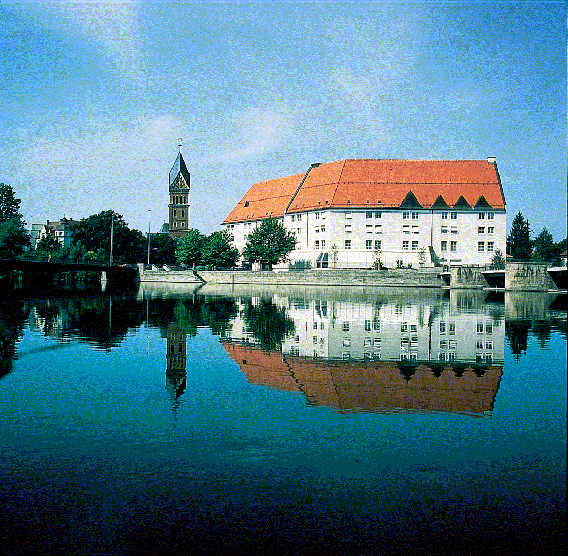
<point>111,236</point>
<point>149,211</point>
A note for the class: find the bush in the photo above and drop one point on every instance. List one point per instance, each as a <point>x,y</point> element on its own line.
<point>300,264</point>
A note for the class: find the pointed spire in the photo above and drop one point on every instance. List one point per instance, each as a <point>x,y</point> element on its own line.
<point>178,168</point>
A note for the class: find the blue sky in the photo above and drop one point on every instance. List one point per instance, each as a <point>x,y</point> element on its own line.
<point>95,97</point>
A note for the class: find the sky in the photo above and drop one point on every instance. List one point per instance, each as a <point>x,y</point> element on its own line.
<point>96,96</point>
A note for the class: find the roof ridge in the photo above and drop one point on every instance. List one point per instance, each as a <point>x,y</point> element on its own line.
<point>337,183</point>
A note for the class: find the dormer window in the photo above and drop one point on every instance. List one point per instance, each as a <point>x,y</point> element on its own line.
<point>247,203</point>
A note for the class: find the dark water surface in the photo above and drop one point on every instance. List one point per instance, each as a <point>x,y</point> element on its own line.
<point>293,421</point>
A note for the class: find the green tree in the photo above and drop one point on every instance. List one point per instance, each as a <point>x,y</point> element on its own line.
<point>9,205</point>
<point>14,239</point>
<point>269,324</point>
<point>497,261</point>
<point>269,244</point>
<point>544,246</point>
<point>93,232</point>
<point>519,242</point>
<point>46,246</point>
<point>162,250</point>
<point>189,249</point>
<point>219,252</point>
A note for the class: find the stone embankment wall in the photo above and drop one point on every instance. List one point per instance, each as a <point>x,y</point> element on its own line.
<point>467,277</point>
<point>399,277</point>
<point>528,277</point>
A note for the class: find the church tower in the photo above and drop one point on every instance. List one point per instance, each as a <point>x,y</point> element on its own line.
<point>179,198</point>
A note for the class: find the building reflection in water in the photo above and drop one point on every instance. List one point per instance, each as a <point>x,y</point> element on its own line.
<point>379,356</point>
<point>176,358</point>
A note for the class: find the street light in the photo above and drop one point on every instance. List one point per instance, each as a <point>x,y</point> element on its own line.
<point>149,211</point>
<point>111,236</point>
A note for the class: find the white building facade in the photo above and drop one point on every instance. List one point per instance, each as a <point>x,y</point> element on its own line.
<point>366,213</point>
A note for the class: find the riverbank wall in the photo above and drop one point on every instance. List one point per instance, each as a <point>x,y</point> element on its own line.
<point>517,277</point>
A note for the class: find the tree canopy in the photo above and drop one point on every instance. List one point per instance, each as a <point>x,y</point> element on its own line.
<point>93,232</point>
<point>544,248</point>
<point>189,248</point>
<point>162,250</point>
<point>9,205</point>
<point>218,251</point>
<point>269,244</point>
<point>13,237</point>
<point>519,242</point>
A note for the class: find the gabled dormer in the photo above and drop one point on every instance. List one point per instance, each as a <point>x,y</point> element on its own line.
<point>410,201</point>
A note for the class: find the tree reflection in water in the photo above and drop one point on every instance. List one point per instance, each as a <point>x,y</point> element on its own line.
<point>13,316</point>
<point>268,323</point>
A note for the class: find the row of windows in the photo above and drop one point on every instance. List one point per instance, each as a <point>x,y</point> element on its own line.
<point>481,229</point>
<point>179,199</point>
<point>182,213</point>
<point>179,224</point>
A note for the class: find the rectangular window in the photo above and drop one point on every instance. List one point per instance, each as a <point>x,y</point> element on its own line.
<point>366,342</point>
<point>299,217</point>
<point>442,327</point>
<point>369,214</point>
<point>444,229</point>
<point>316,244</point>
<point>413,328</point>
<point>481,229</point>
<point>490,216</point>
<point>377,244</point>
<point>453,246</point>
<point>346,342</point>
<point>378,214</point>
<point>489,344</point>
<point>480,246</point>
<point>345,326</point>
<point>415,216</point>
<point>489,328</point>
<point>348,214</point>
<point>323,243</point>
<point>454,215</point>
<point>377,325</point>
<point>490,246</point>
<point>406,228</point>
<point>452,328</point>
<point>322,229</point>
<point>406,215</point>
<point>444,216</point>
<point>377,342</point>
<point>405,244</point>
<point>317,215</point>
<point>369,244</point>
<point>293,218</point>
<point>404,327</point>
<point>481,216</point>
<point>479,344</point>
<point>378,229</point>
<point>347,228</point>
<point>444,246</point>
<point>415,229</point>
<point>414,245</point>
<point>369,228</point>
<point>454,230</point>
<point>368,325</point>
<point>317,229</point>
<point>315,340</point>
<point>347,244</point>
<point>315,325</point>
<point>480,328</point>
<point>490,229</point>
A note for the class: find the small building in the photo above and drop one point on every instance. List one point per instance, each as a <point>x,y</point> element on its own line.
<point>366,213</point>
<point>61,230</point>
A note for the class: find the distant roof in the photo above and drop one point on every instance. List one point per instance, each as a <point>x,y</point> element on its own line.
<point>165,229</point>
<point>179,167</point>
<point>369,183</point>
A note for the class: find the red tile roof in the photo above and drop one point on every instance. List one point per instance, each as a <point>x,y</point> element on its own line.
<point>372,184</point>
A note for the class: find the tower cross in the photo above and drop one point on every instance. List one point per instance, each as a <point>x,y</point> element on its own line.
<point>180,143</point>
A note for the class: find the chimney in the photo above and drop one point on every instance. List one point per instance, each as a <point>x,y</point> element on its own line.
<point>492,160</point>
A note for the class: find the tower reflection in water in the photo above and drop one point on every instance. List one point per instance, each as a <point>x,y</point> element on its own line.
<point>377,356</point>
<point>176,358</point>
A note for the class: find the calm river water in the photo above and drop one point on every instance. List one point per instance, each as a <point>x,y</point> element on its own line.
<point>285,421</point>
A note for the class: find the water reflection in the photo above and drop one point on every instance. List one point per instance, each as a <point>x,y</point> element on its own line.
<point>376,354</point>
<point>372,351</point>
